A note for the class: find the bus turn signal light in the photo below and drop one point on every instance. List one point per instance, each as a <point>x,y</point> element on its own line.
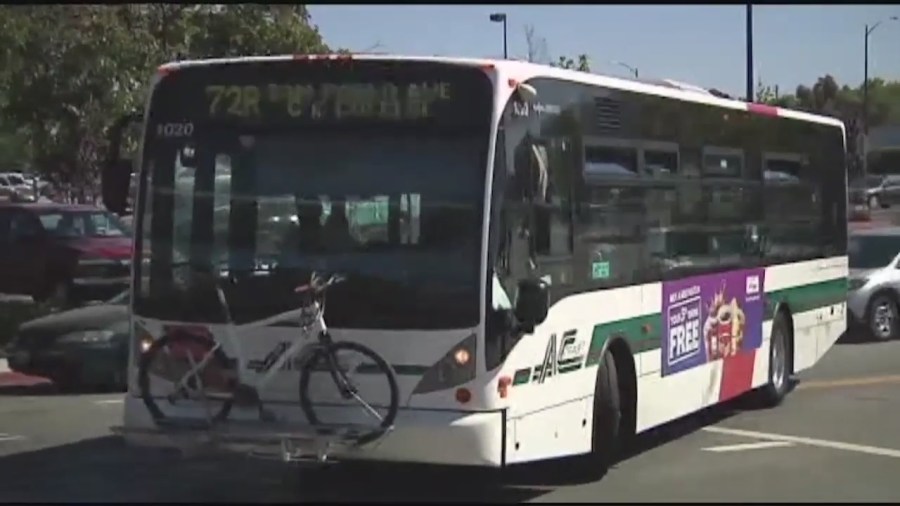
<point>463,395</point>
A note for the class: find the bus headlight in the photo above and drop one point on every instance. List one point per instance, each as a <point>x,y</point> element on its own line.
<point>455,368</point>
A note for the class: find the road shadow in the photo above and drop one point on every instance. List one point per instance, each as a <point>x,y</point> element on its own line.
<point>854,337</point>
<point>105,469</point>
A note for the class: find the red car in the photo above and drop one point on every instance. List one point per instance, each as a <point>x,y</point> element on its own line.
<point>63,252</point>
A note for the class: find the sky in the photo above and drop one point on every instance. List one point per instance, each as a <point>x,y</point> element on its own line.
<point>697,44</point>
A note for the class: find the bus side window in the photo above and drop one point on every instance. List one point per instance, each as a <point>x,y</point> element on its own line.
<point>613,214</point>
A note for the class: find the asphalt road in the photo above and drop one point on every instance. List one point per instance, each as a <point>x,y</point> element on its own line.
<point>836,438</point>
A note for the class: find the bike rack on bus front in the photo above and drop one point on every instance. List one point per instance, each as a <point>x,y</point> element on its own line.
<point>274,440</point>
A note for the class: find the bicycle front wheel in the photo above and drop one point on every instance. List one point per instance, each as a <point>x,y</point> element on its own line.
<point>206,392</point>
<point>371,380</point>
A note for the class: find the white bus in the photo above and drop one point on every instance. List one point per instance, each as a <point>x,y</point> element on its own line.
<point>552,261</point>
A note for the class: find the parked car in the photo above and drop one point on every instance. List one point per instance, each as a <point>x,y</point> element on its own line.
<point>874,286</point>
<point>16,187</point>
<point>882,191</point>
<point>857,202</point>
<point>83,347</point>
<point>63,253</point>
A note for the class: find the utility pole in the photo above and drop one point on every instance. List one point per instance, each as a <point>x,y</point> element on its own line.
<point>865,90</point>
<point>749,52</point>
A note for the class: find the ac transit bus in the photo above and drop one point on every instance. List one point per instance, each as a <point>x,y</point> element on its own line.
<point>552,261</point>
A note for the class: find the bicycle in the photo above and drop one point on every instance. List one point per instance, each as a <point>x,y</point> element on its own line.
<point>227,376</point>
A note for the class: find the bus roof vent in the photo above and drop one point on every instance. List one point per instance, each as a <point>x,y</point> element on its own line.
<point>607,113</point>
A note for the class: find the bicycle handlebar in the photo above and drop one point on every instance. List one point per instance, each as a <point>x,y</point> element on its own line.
<point>316,286</point>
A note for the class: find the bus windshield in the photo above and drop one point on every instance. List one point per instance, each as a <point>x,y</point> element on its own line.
<point>394,204</point>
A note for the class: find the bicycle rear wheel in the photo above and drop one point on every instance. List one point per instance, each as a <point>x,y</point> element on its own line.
<point>166,362</point>
<point>353,360</point>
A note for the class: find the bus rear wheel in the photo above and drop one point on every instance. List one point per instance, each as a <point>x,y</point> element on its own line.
<point>605,438</point>
<point>780,364</point>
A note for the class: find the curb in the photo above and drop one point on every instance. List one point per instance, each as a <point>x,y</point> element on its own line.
<point>10,378</point>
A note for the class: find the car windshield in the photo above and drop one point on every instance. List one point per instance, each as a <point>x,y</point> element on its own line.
<point>74,224</point>
<point>872,251</point>
<point>16,180</point>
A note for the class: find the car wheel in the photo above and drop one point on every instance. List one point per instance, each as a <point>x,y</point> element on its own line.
<point>882,317</point>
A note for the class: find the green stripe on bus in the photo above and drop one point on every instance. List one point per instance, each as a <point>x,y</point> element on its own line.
<point>808,297</point>
<point>643,333</point>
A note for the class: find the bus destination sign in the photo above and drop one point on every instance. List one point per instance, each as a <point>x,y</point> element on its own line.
<point>330,102</point>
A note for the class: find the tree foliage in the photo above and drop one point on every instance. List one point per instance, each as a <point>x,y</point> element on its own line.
<point>827,97</point>
<point>67,71</point>
<point>581,62</point>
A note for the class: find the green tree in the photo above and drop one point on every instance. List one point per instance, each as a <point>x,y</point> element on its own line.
<point>67,71</point>
<point>581,63</point>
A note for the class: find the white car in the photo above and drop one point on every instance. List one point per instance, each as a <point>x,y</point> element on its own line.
<point>874,291</point>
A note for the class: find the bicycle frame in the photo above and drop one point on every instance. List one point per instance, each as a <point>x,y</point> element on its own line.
<point>300,347</point>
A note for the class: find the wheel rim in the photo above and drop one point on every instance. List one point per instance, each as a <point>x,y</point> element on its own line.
<point>883,317</point>
<point>778,362</point>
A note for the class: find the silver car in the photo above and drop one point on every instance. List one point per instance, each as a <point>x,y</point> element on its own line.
<point>874,290</point>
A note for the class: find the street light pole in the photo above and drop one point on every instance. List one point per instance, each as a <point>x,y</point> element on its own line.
<point>865,90</point>
<point>749,52</point>
<point>633,70</point>
<point>500,17</point>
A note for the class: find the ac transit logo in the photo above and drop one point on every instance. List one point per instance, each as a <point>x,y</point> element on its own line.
<point>567,357</point>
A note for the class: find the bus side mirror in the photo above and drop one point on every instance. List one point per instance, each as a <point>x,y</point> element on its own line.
<point>115,184</point>
<point>115,177</point>
<point>532,303</point>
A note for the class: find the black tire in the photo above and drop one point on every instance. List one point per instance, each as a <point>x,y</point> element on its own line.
<point>384,368</point>
<point>883,302</point>
<point>147,360</point>
<point>605,440</point>
<point>781,362</point>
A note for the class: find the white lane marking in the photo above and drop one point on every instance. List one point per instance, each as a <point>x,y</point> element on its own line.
<point>9,437</point>
<point>109,401</point>
<point>747,446</point>
<point>824,443</point>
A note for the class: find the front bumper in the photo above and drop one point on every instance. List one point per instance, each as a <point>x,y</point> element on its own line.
<point>89,363</point>
<point>419,436</point>
<point>857,304</point>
